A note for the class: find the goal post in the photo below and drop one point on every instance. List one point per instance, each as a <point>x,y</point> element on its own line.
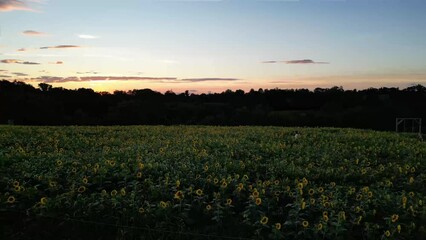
<point>413,125</point>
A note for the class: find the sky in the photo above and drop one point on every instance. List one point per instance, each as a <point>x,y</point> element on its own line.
<point>213,45</point>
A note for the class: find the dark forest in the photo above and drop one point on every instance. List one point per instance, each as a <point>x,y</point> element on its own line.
<point>371,108</point>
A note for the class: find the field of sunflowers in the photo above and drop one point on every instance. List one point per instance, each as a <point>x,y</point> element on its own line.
<point>193,182</point>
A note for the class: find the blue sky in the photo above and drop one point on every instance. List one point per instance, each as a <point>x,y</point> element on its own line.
<point>213,45</point>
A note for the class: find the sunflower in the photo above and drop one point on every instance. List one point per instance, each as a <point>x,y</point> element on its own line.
<point>370,194</point>
<point>411,180</point>
<point>206,168</point>
<point>258,201</point>
<point>325,217</point>
<point>278,226</point>
<point>11,199</point>
<point>113,193</point>
<point>209,207</point>
<point>398,228</point>
<point>320,189</point>
<point>305,224</point>
<point>112,163</point>
<point>395,217</point>
<point>85,180</point>
<point>276,182</point>
<point>177,183</point>
<point>357,209</point>
<point>411,194</point>
<point>325,213</point>
<point>43,200</point>
<point>224,184</point>
<point>311,191</point>
<point>123,192</point>
<point>17,189</point>
<point>215,180</point>
<point>303,204</point>
<point>52,184</point>
<point>255,193</point>
<point>319,227</point>
<point>141,210</point>
<point>15,183</point>
<point>103,192</point>
<point>81,189</point>
<point>342,215</point>
<point>178,195</point>
<point>228,201</point>
<point>163,204</point>
<point>312,200</point>
<point>387,233</point>
<point>264,220</point>
<point>300,185</point>
<point>141,166</point>
<point>358,197</point>
<point>59,162</point>
<point>332,184</point>
<point>199,192</point>
<point>413,169</point>
<point>240,185</point>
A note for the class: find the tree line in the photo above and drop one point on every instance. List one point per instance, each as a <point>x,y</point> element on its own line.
<point>372,108</point>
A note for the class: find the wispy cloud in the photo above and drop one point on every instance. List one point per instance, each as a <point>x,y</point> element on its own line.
<point>61,46</point>
<point>19,74</point>
<point>15,61</point>
<point>85,36</point>
<point>302,61</point>
<point>4,76</point>
<point>208,79</point>
<point>13,5</point>
<point>54,79</point>
<point>22,50</point>
<point>33,33</point>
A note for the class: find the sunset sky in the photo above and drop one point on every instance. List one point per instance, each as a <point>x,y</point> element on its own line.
<point>213,45</point>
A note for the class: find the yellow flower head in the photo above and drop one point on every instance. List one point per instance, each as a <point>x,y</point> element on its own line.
<point>199,192</point>
<point>11,199</point>
<point>305,224</point>
<point>85,180</point>
<point>332,184</point>
<point>224,184</point>
<point>15,183</point>
<point>320,189</point>
<point>43,200</point>
<point>325,217</point>
<point>208,207</point>
<point>141,210</point>
<point>387,233</point>
<point>319,226</point>
<point>163,204</point>
<point>278,226</point>
<point>370,194</point>
<point>123,191</point>
<point>398,228</point>
<point>139,175</point>
<point>303,205</point>
<point>411,194</point>
<point>228,201</point>
<point>114,192</point>
<point>300,185</point>
<point>215,180</point>
<point>264,220</point>
<point>179,195</point>
<point>311,191</point>
<point>276,182</point>
<point>255,193</point>
<point>258,201</point>
<point>240,185</point>
<point>395,217</point>
<point>81,189</point>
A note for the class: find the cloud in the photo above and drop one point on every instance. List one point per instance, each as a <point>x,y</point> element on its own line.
<point>19,74</point>
<point>208,79</point>
<point>84,36</point>
<point>61,46</point>
<point>53,79</point>
<point>15,61</point>
<point>4,76</point>
<point>3,70</point>
<point>22,50</point>
<point>33,33</point>
<point>13,5</point>
<point>302,61</point>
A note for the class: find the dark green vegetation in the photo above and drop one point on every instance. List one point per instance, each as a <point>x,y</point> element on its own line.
<point>372,108</point>
<point>188,182</point>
